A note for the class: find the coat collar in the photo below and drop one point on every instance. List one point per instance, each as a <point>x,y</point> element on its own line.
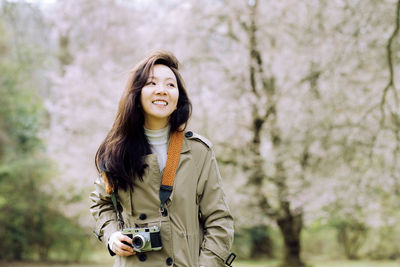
<point>152,158</point>
<point>185,145</point>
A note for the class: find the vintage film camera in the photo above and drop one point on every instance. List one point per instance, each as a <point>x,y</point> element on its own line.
<point>144,239</point>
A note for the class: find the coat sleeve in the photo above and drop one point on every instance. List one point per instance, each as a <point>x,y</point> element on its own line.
<point>103,211</point>
<point>215,216</point>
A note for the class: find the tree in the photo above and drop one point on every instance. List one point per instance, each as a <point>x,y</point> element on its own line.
<point>305,134</point>
<point>289,92</point>
<point>31,226</point>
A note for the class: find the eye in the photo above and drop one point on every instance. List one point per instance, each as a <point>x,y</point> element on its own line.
<point>150,83</point>
<point>171,85</point>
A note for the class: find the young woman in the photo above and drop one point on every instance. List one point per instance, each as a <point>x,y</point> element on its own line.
<point>196,226</point>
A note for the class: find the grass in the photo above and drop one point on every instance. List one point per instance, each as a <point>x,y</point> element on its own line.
<point>331,263</point>
<point>273,263</point>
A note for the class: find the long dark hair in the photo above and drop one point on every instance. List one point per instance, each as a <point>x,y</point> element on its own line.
<point>121,153</point>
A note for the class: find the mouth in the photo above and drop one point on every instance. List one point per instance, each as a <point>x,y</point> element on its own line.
<point>160,102</point>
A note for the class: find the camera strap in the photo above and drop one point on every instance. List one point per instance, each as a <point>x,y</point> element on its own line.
<point>119,215</point>
<point>113,195</point>
<point>174,152</point>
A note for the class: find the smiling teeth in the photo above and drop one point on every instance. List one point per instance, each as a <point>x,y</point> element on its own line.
<point>160,103</point>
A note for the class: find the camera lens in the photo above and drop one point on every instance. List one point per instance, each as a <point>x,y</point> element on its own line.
<point>138,242</point>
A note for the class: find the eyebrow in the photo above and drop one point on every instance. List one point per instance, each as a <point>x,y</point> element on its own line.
<point>169,78</point>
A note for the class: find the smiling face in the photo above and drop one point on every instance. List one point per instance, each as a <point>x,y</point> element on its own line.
<point>159,97</point>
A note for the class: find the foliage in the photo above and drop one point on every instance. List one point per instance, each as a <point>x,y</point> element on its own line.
<point>256,242</point>
<point>335,109</point>
<point>32,227</point>
<point>383,244</point>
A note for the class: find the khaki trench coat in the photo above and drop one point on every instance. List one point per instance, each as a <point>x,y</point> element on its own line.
<point>198,227</point>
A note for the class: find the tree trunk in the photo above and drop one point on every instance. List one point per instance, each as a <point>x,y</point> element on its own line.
<point>352,235</point>
<point>290,227</point>
<point>289,222</point>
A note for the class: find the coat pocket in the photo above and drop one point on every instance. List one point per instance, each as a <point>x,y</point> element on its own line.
<point>194,246</point>
<point>186,248</point>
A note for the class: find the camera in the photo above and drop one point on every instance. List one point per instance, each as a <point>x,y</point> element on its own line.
<point>144,239</point>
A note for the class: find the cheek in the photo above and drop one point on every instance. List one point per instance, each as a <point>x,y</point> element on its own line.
<point>142,102</point>
<point>176,97</point>
<point>144,95</point>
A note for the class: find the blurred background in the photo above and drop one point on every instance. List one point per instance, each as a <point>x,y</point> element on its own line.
<point>300,99</point>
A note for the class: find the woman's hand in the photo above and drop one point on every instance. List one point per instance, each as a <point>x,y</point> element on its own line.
<point>119,248</point>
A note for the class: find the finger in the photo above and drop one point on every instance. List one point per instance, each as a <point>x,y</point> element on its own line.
<point>122,252</point>
<point>126,239</point>
<point>124,247</point>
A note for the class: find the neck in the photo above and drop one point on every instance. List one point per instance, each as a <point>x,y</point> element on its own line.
<point>155,124</point>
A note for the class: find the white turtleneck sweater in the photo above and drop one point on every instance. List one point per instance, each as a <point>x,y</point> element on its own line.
<point>158,140</point>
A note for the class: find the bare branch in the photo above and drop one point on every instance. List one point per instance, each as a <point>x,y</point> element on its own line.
<point>390,84</point>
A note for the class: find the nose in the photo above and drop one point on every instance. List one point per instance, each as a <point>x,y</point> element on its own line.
<point>161,89</point>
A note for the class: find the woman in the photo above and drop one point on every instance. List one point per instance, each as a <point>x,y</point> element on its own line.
<point>196,226</point>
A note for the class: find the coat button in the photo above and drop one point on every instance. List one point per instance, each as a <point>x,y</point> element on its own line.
<point>142,216</point>
<point>142,257</point>
<point>169,261</point>
<point>189,134</point>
